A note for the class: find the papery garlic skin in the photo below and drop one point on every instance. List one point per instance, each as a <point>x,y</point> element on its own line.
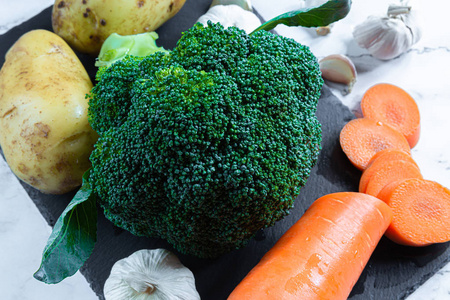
<point>245,4</point>
<point>231,15</point>
<point>389,36</point>
<point>150,274</point>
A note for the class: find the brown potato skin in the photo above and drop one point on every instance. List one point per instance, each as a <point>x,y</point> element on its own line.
<point>85,24</point>
<point>44,131</point>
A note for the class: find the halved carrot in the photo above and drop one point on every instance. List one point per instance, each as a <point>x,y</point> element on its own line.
<point>362,138</point>
<point>421,212</point>
<point>323,254</point>
<point>392,105</point>
<point>382,156</point>
<point>387,171</point>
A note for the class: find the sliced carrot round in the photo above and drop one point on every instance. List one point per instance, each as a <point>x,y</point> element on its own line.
<point>392,105</point>
<point>380,158</point>
<point>362,138</point>
<point>393,154</point>
<point>421,212</point>
<point>385,172</point>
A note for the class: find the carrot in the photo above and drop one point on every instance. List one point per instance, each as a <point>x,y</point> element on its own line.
<point>421,212</point>
<point>362,138</point>
<point>323,254</point>
<point>393,153</point>
<point>392,105</point>
<point>382,156</point>
<point>387,171</point>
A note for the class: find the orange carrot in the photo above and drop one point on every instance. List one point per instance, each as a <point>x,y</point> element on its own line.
<point>392,105</point>
<point>383,155</point>
<point>323,254</point>
<point>421,212</point>
<point>387,171</point>
<point>392,153</point>
<point>362,138</point>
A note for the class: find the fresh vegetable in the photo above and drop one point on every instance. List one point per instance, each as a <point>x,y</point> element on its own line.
<point>229,120</point>
<point>362,138</point>
<point>421,208</point>
<point>117,47</point>
<point>86,24</point>
<point>389,36</point>
<point>385,156</point>
<point>392,105</point>
<point>382,172</point>
<point>44,131</point>
<point>421,212</point>
<point>231,15</point>
<point>338,68</point>
<point>245,4</point>
<point>201,148</point>
<point>150,275</point>
<point>392,153</point>
<point>323,254</point>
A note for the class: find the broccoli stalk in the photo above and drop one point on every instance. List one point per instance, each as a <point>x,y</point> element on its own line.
<point>116,47</point>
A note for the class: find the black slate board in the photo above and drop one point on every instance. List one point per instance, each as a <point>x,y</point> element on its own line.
<point>393,271</point>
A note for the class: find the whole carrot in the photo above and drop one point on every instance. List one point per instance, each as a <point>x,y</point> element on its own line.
<point>323,254</point>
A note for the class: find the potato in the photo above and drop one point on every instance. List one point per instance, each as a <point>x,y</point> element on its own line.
<point>44,131</point>
<point>85,24</point>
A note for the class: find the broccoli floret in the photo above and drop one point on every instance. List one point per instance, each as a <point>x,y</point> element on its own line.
<point>208,143</point>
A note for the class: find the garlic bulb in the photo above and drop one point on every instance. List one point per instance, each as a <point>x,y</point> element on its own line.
<point>389,36</point>
<point>245,4</point>
<point>231,15</point>
<point>150,274</point>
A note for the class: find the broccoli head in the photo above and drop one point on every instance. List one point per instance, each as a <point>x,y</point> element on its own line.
<point>207,143</point>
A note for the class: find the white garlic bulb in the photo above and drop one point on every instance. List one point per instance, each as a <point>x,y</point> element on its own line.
<point>387,37</point>
<point>150,274</point>
<point>231,15</point>
<point>245,4</point>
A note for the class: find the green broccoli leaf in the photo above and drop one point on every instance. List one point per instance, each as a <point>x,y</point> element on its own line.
<point>116,47</point>
<point>329,12</point>
<point>72,239</point>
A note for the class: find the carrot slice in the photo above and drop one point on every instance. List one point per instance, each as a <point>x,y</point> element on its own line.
<point>392,105</point>
<point>385,172</point>
<point>382,157</point>
<point>421,212</point>
<point>393,153</point>
<point>323,254</point>
<point>362,138</point>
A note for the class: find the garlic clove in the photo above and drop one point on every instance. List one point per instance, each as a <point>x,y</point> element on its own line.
<point>338,68</point>
<point>245,4</point>
<point>150,274</point>
<point>322,31</point>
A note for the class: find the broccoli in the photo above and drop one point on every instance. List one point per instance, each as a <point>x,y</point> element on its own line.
<point>205,144</point>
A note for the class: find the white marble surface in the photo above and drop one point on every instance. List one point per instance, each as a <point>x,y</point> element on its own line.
<point>424,71</point>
